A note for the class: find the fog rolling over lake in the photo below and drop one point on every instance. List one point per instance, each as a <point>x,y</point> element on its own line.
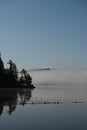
<point>60,77</point>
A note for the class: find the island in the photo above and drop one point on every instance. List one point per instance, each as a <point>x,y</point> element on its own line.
<point>11,78</point>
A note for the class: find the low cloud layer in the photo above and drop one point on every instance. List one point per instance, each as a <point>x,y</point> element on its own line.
<point>64,77</point>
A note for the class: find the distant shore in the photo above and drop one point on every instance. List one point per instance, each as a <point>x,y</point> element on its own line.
<point>42,69</point>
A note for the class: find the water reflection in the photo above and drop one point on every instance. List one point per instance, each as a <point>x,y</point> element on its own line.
<point>12,97</point>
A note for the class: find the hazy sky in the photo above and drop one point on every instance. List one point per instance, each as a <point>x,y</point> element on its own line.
<point>44,33</point>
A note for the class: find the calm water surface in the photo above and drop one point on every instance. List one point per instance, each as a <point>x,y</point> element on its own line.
<point>20,109</point>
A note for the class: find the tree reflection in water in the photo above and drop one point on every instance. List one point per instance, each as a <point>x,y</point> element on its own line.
<point>12,97</point>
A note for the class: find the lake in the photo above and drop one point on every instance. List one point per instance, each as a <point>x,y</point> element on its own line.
<point>59,101</point>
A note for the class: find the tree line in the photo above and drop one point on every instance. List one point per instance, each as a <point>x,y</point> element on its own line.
<point>10,76</point>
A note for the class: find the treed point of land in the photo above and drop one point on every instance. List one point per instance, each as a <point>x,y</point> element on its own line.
<point>9,77</point>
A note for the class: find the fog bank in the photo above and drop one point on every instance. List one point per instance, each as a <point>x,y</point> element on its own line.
<point>66,77</point>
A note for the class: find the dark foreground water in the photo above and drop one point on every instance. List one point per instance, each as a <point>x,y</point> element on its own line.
<point>52,117</point>
<point>42,108</point>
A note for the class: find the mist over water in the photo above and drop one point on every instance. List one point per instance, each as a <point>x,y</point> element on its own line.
<point>60,77</point>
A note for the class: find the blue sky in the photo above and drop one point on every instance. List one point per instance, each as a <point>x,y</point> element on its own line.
<point>44,33</point>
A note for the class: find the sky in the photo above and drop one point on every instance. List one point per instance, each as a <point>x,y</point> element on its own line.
<point>44,33</point>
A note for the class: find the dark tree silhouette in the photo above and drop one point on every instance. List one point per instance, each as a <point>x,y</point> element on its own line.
<point>1,64</point>
<point>9,77</point>
<point>13,69</point>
